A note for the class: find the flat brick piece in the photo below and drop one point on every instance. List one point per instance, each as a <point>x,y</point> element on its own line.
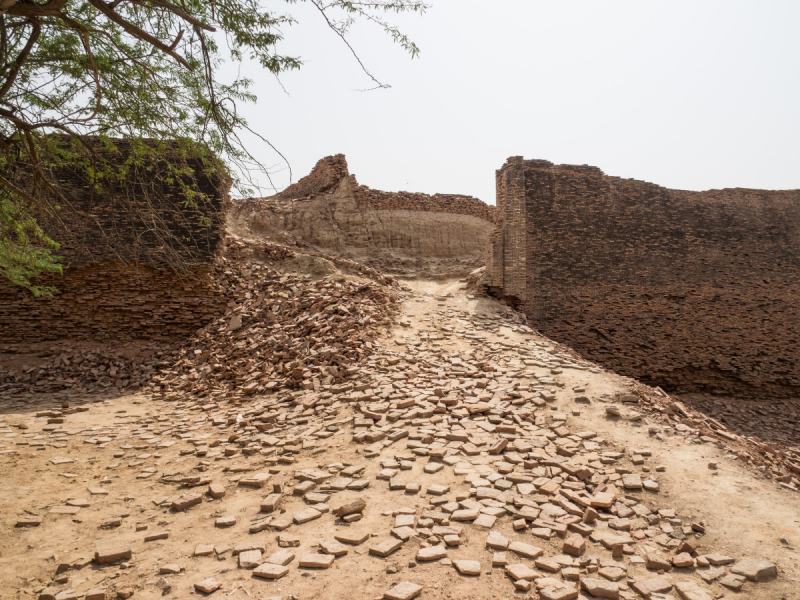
<point>270,571</point>
<point>404,590</point>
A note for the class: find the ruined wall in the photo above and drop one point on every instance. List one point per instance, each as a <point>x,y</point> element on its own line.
<point>326,173</point>
<point>452,204</point>
<point>120,285</point>
<point>111,301</point>
<point>398,232</point>
<point>693,291</point>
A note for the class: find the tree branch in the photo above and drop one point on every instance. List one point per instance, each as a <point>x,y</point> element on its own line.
<point>177,40</point>
<point>178,11</point>
<point>338,32</point>
<point>22,56</point>
<point>136,32</point>
<point>27,8</point>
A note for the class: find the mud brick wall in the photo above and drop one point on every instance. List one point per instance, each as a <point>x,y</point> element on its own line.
<point>129,214</point>
<point>111,301</point>
<point>448,203</point>
<point>693,291</point>
<point>331,171</point>
<point>326,173</point>
<point>121,286</point>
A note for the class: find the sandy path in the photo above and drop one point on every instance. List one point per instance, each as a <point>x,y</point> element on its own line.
<point>116,443</point>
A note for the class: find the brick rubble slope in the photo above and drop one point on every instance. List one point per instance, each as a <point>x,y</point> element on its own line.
<point>289,361</point>
<point>277,346</point>
<point>248,250</point>
<point>778,461</point>
<point>79,368</point>
<point>562,513</point>
<point>285,331</point>
<point>337,318</point>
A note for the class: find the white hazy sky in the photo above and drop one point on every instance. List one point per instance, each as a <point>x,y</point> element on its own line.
<point>686,94</point>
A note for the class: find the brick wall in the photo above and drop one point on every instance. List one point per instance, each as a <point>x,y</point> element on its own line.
<point>693,291</point>
<point>111,301</point>
<point>332,170</point>
<point>446,203</point>
<point>326,173</point>
<point>120,285</point>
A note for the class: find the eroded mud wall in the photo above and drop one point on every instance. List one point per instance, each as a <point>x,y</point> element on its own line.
<point>331,212</point>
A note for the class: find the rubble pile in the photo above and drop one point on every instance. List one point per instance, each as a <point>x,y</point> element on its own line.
<point>284,331</point>
<point>452,457</point>
<point>71,368</point>
<point>243,250</point>
<point>777,420</point>
<point>774,460</point>
<point>319,329</point>
<point>765,436</point>
<point>749,423</point>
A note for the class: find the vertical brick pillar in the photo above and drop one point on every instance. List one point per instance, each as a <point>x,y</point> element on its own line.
<point>514,216</point>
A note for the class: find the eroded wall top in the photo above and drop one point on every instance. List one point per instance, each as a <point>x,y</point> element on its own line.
<point>325,175</point>
<point>332,172</point>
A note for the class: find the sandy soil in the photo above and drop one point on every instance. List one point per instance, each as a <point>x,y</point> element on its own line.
<point>125,445</point>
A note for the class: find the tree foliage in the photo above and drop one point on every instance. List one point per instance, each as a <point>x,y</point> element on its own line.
<point>78,76</point>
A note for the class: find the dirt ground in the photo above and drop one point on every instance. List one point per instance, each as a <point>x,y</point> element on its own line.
<point>106,476</point>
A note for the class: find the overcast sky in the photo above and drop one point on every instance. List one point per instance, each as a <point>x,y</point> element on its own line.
<point>686,94</point>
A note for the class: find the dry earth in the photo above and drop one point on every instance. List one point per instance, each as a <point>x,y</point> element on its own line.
<point>462,430</point>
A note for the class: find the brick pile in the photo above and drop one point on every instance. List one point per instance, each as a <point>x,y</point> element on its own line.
<point>281,331</point>
<point>284,313</point>
<point>467,459</point>
<point>463,454</point>
<point>69,368</point>
<point>239,249</point>
<point>693,291</point>
<point>777,459</point>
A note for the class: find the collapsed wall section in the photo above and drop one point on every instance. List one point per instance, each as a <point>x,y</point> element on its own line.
<point>122,277</point>
<point>693,291</point>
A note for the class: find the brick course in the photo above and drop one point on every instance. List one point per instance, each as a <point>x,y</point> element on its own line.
<point>693,291</point>
<point>111,301</point>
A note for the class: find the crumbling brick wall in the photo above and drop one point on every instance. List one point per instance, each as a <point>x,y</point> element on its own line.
<point>332,171</point>
<point>693,291</point>
<point>121,285</point>
<point>326,173</point>
<point>401,233</point>
<point>445,203</point>
<point>111,300</point>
